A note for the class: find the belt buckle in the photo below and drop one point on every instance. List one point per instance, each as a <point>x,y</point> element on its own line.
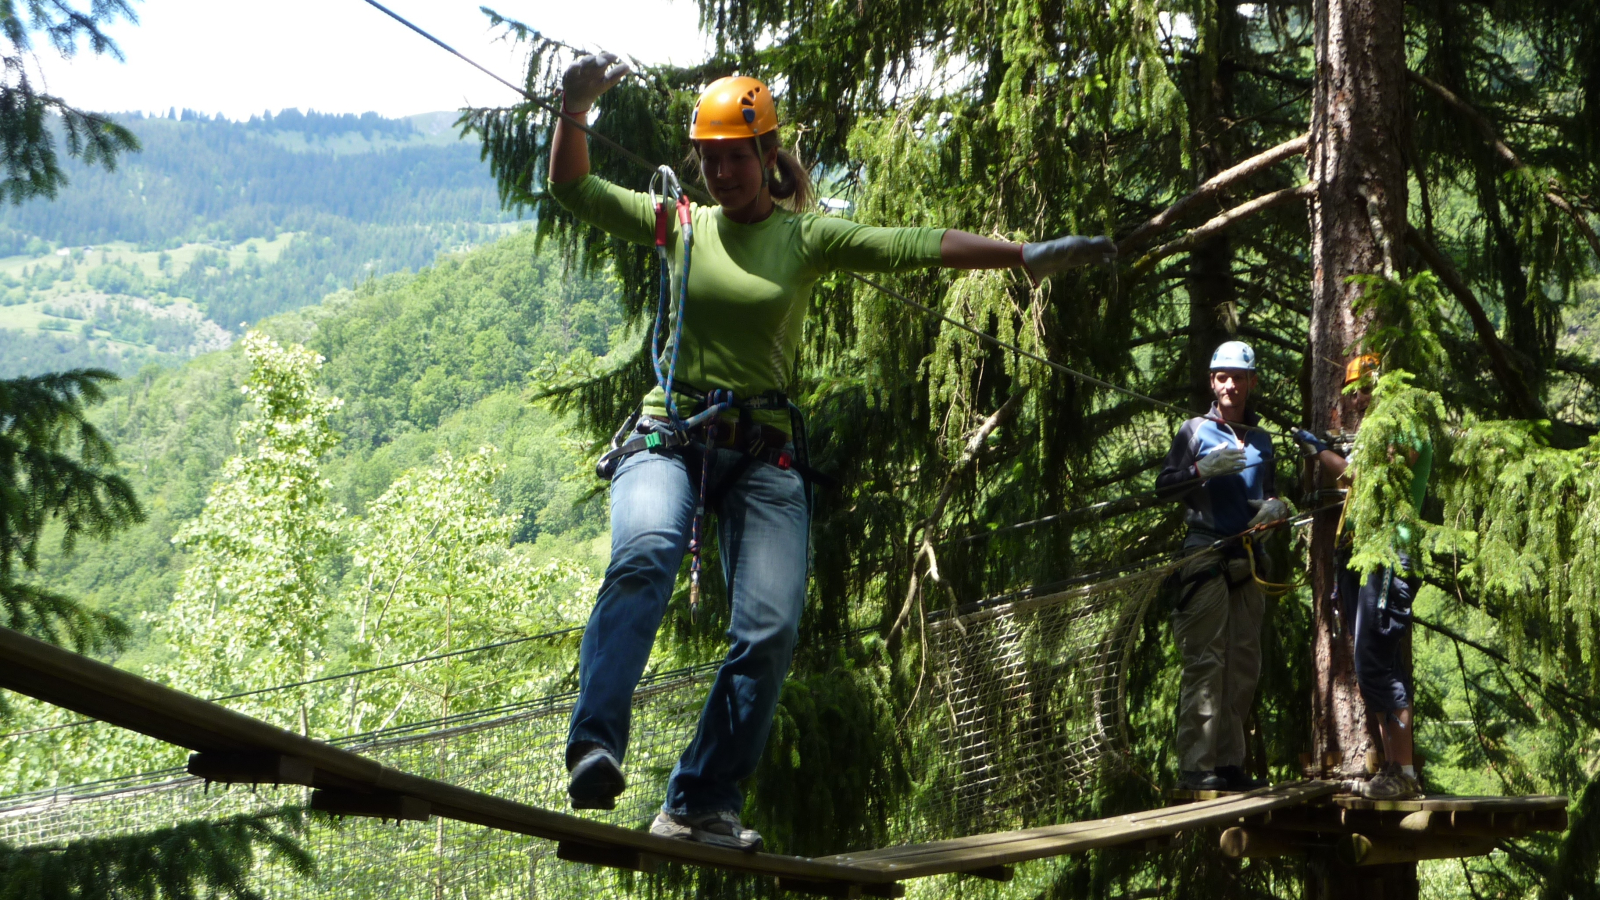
<point>785,459</point>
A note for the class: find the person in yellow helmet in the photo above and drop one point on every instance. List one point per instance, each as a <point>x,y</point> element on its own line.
<point>755,256</point>
<point>1375,607</point>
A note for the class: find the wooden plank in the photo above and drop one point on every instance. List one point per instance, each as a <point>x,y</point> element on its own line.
<point>1007,848</point>
<point>1450,803</point>
<point>382,805</point>
<point>611,857</point>
<point>251,768</point>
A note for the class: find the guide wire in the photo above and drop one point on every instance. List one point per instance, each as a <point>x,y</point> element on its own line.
<point>1151,493</point>
<point>702,197</point>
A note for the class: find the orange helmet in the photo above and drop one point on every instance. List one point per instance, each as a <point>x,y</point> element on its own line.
<point>733,107</point>
<point>1358,368</point>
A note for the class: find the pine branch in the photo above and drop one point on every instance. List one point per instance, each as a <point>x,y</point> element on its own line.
<point>1212,187</point>
<point>1215,226</point>
<point>1487,132</point>
<point>1505,370</point>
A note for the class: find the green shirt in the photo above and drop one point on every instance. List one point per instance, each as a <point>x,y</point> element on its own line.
<point>749,285</point>
<point>1421,470</point>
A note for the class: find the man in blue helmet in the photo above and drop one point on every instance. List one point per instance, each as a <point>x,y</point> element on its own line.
<point>1221,466</point>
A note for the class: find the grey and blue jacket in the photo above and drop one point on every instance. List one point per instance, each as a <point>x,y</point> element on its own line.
<point>1218,507</point>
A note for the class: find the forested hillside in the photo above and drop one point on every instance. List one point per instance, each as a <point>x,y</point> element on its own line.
<point>437,361</point>
<point>214,225</point>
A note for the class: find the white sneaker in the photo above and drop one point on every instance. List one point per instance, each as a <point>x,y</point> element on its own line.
<point>721,829</point>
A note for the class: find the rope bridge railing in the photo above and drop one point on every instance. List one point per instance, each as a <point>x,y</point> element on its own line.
<point>1025,710</point>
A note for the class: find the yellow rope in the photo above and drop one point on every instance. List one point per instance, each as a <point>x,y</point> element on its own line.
<point>1270,588</point>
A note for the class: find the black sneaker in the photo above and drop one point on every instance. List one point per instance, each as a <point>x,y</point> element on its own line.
<point>596,780</point>
<point>1204,780</point>
<point>1237,780</point>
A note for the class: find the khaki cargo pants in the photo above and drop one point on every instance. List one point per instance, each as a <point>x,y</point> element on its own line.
<point>1218,631</point>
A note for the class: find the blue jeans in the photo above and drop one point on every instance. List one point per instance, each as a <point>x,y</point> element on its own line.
<point>762,531</point>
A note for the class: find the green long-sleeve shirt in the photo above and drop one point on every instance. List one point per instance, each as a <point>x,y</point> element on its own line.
<point>749,285</point>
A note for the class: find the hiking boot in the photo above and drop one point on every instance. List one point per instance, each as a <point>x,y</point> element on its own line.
<point>1392,784</point>
<point>1237,780</point>
<point>719,828</point>
<point>1204,780</point>
<point>596,780</point>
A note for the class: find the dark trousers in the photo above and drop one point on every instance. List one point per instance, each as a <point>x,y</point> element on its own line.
<point>1377,613</point>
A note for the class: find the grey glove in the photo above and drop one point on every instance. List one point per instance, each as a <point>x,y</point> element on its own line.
<point>1045,258</point>
<point>1269,510</point>
<point>588,77</point>
<point>1226,461</point>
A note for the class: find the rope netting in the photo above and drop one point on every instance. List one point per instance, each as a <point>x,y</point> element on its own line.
<point>1024,710</point>
<point>1030,705</point>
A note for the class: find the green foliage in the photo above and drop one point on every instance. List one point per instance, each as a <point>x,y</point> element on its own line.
<point>189,861</point>
<point>1402,419</point>
<point>1534,513</point>
<point>437,573</point>
<point>251,609</point>
<point>56,469</point>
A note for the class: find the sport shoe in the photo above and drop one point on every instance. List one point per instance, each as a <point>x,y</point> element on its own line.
<point>596,780</point>
<point>719,828</point>
<point>1392,784</point>
<point>1204,780</point>
<point>1237,780</point>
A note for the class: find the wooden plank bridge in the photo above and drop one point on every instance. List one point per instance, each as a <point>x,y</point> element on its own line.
<point>233,748</point>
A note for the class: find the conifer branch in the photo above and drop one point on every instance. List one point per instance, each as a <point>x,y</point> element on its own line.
<point>1214,185</point>
<point>1215,226</point>
<point>1486,131</point>
<point>1505,370</point>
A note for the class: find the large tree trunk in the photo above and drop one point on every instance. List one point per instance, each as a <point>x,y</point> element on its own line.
<point>1357,223</point>
<point>1212,315</point>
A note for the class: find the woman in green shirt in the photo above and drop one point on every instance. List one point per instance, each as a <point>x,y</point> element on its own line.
<point>755,257</point>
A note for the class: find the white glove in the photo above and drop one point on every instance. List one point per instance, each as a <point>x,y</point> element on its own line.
<point>1226,461</point>
<point>1269,510</point>
<point>588,77</point>
<point>1045,258</point>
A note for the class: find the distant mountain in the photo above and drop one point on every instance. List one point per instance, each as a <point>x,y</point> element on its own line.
<point>336,198</point>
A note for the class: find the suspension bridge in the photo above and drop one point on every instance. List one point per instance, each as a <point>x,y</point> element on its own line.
<point>1028,708</point>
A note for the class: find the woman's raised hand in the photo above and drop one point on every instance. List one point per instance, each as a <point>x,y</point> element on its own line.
<point>1045,258</point>
<point>588,77</point>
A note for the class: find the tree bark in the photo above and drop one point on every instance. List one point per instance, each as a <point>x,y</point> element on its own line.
<point>1357,223</point>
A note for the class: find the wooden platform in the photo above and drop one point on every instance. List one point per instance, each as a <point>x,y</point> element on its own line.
<point>1372,832</point>
<point>989,850</point>
<point>234,748</point>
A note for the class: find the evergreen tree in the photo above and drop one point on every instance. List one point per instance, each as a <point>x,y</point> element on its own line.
<point>56,469</point>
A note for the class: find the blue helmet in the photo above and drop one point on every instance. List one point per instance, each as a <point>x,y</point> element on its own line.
<point>1234,355</point>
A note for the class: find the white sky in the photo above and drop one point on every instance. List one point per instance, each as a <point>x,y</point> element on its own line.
<point>241,58</point>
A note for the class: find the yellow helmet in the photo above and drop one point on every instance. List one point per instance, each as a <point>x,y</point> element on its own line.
<point>1358,368</point>
<point>733,107</point>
